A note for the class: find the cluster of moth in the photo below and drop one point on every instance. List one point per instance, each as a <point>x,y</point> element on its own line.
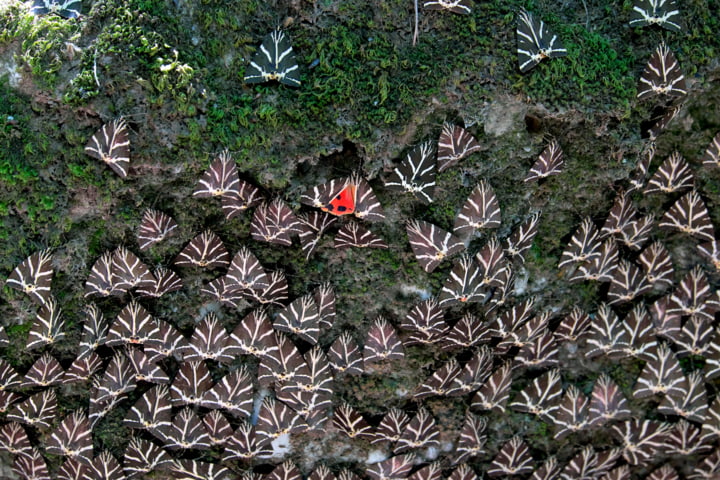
<point>219,400</point>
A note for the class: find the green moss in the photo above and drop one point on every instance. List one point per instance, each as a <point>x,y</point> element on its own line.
<point>594,71</point>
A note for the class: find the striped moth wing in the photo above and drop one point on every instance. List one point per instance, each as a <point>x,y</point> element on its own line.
<point>62,8</point>
<point>664,13</point>
<point>355,235</point>
<point>431,244</point>
<point>455,6</point>
<point>112,145</point>
<point>535,42</point>
<point>455,143</point>
<point>662,76</point>
<point>33,276</point>
<point>274,61</point>
<point>205,250</point>
<point>416,173</point>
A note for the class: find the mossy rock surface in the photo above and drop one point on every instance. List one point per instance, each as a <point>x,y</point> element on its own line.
<point>174,70</point>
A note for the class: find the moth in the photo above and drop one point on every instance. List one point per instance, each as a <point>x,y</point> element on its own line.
<point>416,173</point>
<point>274,61</point>
<point>325,300</point>
<point>82,369</point>
<point>584,245</point>
<point>142,457</point>
<point>540,351</point>
<point>420,432</point>
<point>391,426</point>
<point>117,381</point>
<point>692,403</point>
<point>286,471</point>
<point>14,439</point>
<point>601,267</point>
<point>246,272</point>
<point>355,235</point>
<point>313,225</point>
<point>143,369</point>
<point>167,342</point>
<point>454,144</point>
<point>673,175</point>
<point>472,438</point>
<point>540,398</point>
<point>345,356</point>
<point>243,444</point>
<point>234,202</point>
<point>661,375</point>
<point>283,365</point>
<point>425,321</point>
<point>275,293</point>
<point>664,13</point>
<point>134,325</point>
<point>513,459</point>
<point>439,382</point>
<point>464,284</point>
<point>186,432</point>
<point>351,423</point>
<point>657,265</point>
<point>480,210</point>
<point>255,336</point>
<point>165,281</point>
<point>662,75</point>
<point>535,42</point>
<point>72,470</point>
<point>48,327</point>
<point>111,144</point>
<point>274,222</point>
<point>38,410</point>
<point>72,438</point>
<point>301,318</point>
<point>641,439</point>
<point>31,465</point>
<point>572,413</point>
<point>347,196</point>
<point>521,239</point>
<point>45,372</point>
<point>190,384</point>
<point>151,412</point>
<point>382,343</point>
<point>433,471</point>
<point>455,6</point>
<point>217,427</point>
<point>276,419</point>
<point>206,250</point>
<point>431,244</point>
<point>550,162</point>
<point>233,393</point>
<point>192,469</point>
<point>620,218</point>
<point>467,332</point>
<point>220,179</point>
<point>694,297</point>
<point>128,271</point>
<point>628,282</point>
<point>154,227</point>
<point>33,276</point>
<point>662,116</point>
<point>689,215</point>
<point>398,466</point>
<point>209,341</point>
<point>100,282</point>
<point>712,153</point>
<point>607,402</point>
<point>62,8</point>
